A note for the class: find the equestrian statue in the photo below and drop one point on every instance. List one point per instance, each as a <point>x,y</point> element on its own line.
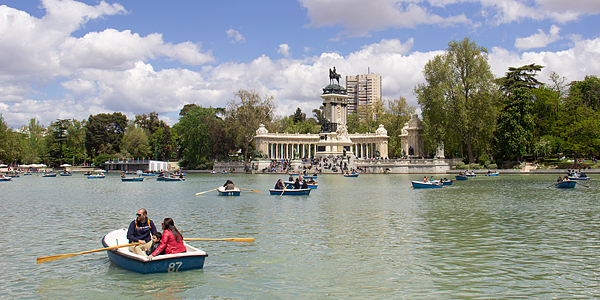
<point>334,75</point>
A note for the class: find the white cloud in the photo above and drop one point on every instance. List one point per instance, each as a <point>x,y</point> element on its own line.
<point>284,49</point>
<point>539,40</point>
<point>359,18</point>
<point>235,36</point>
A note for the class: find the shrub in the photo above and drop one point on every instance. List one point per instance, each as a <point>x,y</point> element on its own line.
<point>492,166</point>
<point>474,166</point>
<point>460,165</point>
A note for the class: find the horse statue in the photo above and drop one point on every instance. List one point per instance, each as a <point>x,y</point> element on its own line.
<point>334,75</point>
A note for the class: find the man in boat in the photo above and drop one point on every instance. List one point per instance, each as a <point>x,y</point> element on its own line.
<point>297,183</point>
<point>141,230</point>
<point>229,185</point>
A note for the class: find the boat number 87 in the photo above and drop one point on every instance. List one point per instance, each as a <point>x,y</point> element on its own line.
<point>174,267</point>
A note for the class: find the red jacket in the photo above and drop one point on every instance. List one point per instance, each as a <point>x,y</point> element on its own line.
<point>169,244</point>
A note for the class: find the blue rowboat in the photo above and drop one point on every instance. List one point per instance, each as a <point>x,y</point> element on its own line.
<point>6,179</point>
<point>461,177</point>
<point>426,185</point>
<point>171,179</point>
<point>97,176</point>
<point>309,177</point>
<point>351,175</point>
<point>27,174</point>
<point>132,179</point>
<point>470,174</point>
<point>290,192</point>
<point>578,178</point>
<point>565,184</point>
<point>290,184</point>
<point>63,174</point>
<point>492,174</point>
<point>148,174</point>
<point>168,263</point>
<point>48,175</point>
<point>224,192</point>
<point>213,172</point>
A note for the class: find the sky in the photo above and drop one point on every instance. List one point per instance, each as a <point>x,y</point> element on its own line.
<point>67,59</point>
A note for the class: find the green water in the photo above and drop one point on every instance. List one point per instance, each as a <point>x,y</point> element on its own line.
<point>371,237</point>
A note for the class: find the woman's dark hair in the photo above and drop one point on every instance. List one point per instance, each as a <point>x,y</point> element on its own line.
<point>158,235</point>
<point>169,224</point>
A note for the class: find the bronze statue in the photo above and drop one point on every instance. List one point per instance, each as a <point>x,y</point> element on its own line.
<point>334,75</point>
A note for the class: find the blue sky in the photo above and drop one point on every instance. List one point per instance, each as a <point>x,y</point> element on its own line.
<point>71,59</point>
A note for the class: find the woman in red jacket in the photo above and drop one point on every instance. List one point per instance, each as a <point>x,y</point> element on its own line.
<point>172,240</point>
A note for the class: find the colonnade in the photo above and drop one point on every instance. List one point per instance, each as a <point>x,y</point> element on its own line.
<point>286,150</point>
<point>364,150</point>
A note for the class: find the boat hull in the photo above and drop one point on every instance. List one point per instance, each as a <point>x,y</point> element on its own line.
<point>223,192</point>
<point>579,178</point>
<point>447,182</point>
<point>565,184</point>
<point>132,179</point>
<point>193,259</point>
<point>49,175</point>
<point>96,177</point>
<point>5,179</point>
<point>172,179</point>
<point>290,192</point>
<point>461,177</point>
<point>350,175</point>
<point>426,185</point>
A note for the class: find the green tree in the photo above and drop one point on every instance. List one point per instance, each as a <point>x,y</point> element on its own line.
<point>195,136</point>
<point>33,148</point>
<point>459,99</point>
<point>76,142</point>
<point>319,115</point>
<point>299,116</point>
<point>104,133</point>
<point>135,142</point>
<point>395,115</point>
<point>515,124</point>
<point>245,116</point>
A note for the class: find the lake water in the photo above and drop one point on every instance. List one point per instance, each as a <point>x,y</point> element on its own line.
<point>371,237</point>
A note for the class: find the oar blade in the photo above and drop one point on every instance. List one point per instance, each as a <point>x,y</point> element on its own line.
<point>243,240</point>
<point>206,192</point>
<point>41,260</point>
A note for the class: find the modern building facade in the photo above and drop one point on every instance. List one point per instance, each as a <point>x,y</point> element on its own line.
<point>362,89</point>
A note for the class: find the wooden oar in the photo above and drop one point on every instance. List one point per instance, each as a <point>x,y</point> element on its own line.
<point>587,186</point>
<point>61,256</point>
<point>245,240</point>
<point>247,189</point>
<point>206,191</point>
<point>284,187</point>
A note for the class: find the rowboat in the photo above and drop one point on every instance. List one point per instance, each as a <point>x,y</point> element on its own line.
<point>49,175</point>
<point>493,174</point>
<point>167,263</point>
<point>446,182</point>
<point>351,175</point>
<point>6,179</point>
<point>132,179</point>
<point>565,184</point>
<point>213,172</point>
<point>426,185</point>
<point>461,177</point>
<point>290,184</point>
<point>148,174</point>
<point>171,179</point>
<point>290,192</point>
<point>224,172</point>
<point>309,177</point>
<point>97,176</point>
<point>578,177</point>
<point>66,174</point>
<point>470,174</point>
<point>225,192</point>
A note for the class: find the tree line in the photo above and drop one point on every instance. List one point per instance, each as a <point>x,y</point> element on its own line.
<point>508,119</point>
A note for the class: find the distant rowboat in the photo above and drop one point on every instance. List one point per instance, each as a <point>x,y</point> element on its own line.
<point>426,185</point>
<point>461,177</point>
<point>290,192</point>
<point>132,179</point>
<point>225,192</point>
<point>565,184</point>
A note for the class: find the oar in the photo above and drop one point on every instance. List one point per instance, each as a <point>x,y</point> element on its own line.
<point>552,184</point>
<point>206,191</point>
<point>284,187</point>
<point>245,240</point>
<point>247,189</point>
<point>587,186</point>
<point>61,256</point>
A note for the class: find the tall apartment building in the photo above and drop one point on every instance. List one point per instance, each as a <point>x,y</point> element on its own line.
<point>362,89</point>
